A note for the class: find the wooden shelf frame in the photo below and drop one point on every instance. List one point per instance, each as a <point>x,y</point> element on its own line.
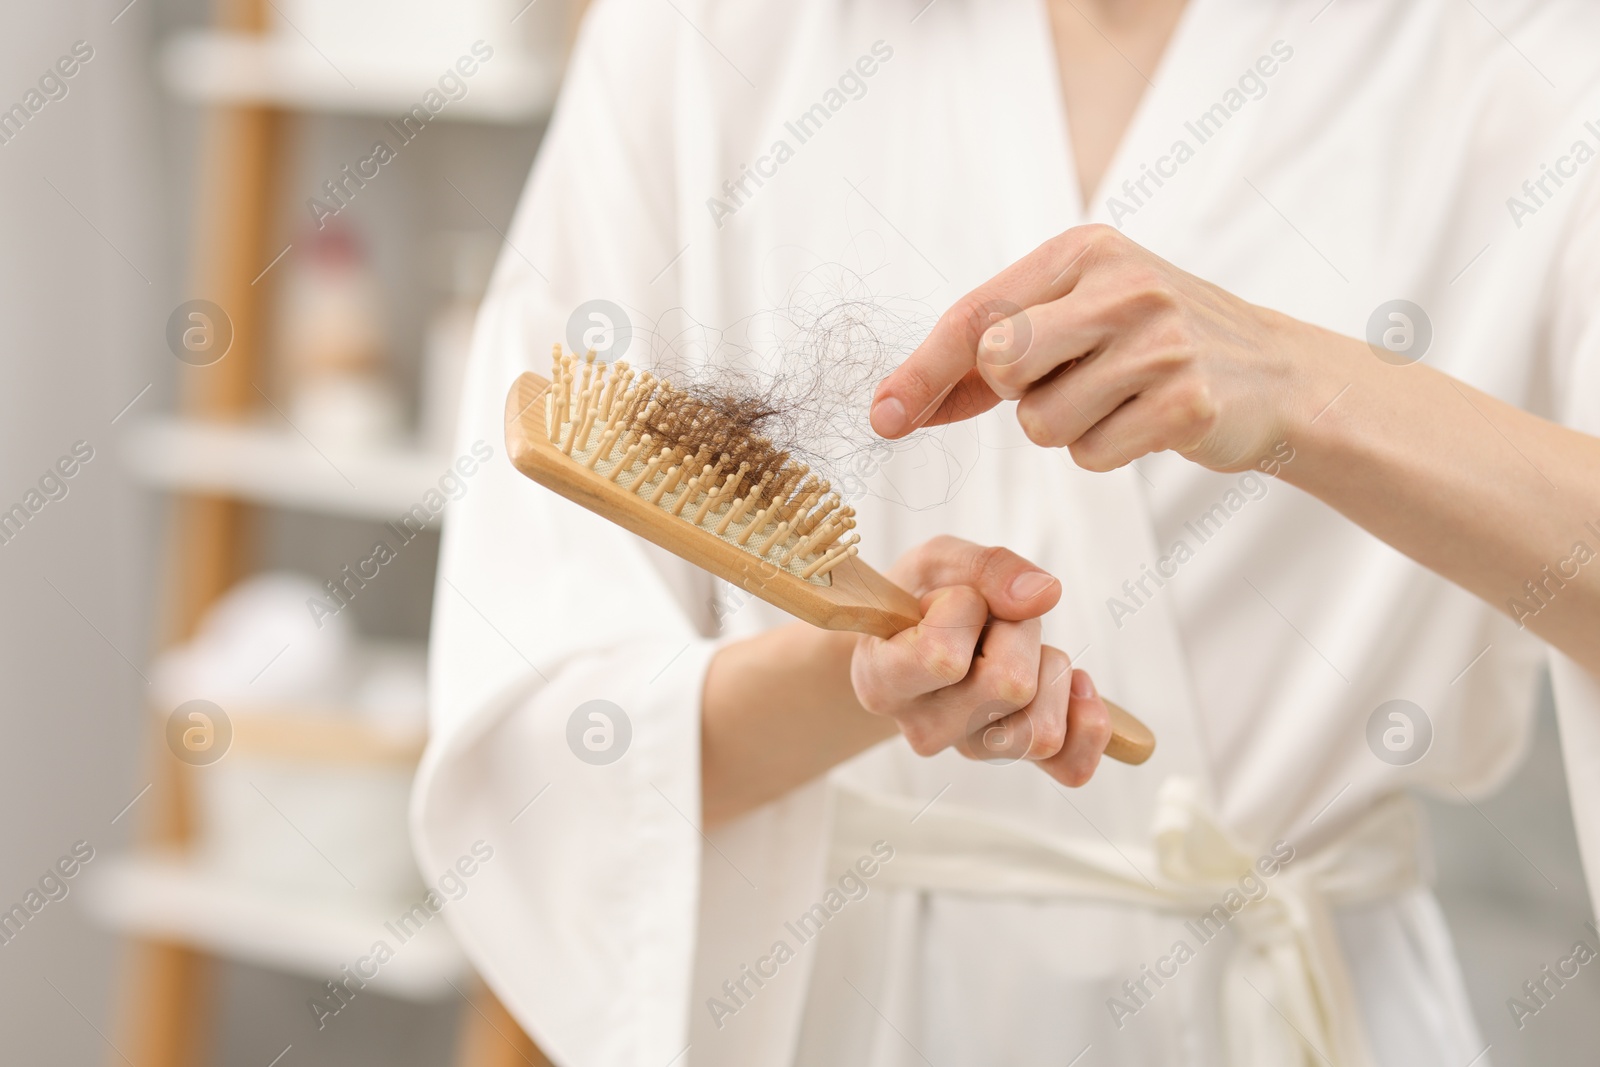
<point>165,1001</point>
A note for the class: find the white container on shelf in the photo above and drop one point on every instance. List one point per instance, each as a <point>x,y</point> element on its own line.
<point>325,829</point>
<point>325,733</point>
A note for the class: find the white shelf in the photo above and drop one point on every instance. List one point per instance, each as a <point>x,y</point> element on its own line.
<point>168,898</point>
<point>218,67</point>
<point>270,466</point>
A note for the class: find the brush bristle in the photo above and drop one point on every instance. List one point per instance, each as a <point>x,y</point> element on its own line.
<point>698,458</point>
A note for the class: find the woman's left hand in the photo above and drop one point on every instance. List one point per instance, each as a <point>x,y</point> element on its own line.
<point>1114,353</point>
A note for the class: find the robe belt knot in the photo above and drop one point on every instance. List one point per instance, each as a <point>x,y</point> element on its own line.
<point>1286,995</point>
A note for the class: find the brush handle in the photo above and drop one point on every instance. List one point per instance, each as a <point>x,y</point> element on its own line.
<point>1131,740</point>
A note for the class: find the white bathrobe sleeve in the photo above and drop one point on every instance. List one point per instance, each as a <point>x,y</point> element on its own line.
<point>1575,344</point>
<point>583,920</point>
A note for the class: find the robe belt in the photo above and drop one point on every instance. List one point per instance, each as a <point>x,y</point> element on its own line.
<point>1286,995</point>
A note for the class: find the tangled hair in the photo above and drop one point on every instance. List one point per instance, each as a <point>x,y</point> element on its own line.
<point>746,437</point>
<point>708,423</point>
<point>790,387</point>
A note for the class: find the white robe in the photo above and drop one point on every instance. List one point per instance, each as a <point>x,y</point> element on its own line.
<point>1376,164</point>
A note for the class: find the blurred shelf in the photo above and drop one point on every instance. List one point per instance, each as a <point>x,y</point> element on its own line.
<point>337,736</point>
<point>279,467</point>
<point>218,67</point>
<point>166,897</point>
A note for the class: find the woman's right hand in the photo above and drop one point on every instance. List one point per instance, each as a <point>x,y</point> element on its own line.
<point>1013,698</point>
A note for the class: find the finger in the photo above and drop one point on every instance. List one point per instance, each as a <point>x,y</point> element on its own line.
<point>1033,732</point>
<point>1013,587</point>
<point>913,394</point>
<point>934,654</point>
<point>1038,341</point>
<point>1154,421</point>
<point>1047,713</point>
<point>998,737</point>
<point>915,390</point>
<point>1058,411</point>
<point>1003,677</point>
<point>1088,733</point>
<point>970,397</point>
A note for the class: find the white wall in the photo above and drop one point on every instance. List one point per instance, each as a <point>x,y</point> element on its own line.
<point>83,281</point>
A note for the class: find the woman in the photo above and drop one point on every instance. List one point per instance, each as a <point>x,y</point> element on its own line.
<point>1300,471</point>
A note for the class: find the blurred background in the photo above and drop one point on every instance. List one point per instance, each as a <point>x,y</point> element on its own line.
<point>316,189</point>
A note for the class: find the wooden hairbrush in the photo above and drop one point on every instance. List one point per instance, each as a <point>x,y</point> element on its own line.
<point>667,465</point>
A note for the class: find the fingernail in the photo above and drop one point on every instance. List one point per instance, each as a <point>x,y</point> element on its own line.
<point>1030,584</point>
<point>1082,685</point>
<point>889,417</point>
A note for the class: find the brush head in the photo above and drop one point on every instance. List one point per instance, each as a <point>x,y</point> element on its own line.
<point>700,457</point>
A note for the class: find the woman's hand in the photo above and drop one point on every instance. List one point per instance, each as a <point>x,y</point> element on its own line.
<point>783,706</point>
<point>1114,353</point>
<point>1013,698</point>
